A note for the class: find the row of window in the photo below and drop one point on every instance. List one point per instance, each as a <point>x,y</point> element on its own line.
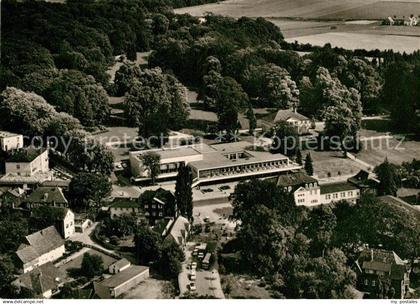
<point>342,195</point>
<point>367,282</point>
<point>153,213</point>
<point>153,206</point>
<point>315,201</point>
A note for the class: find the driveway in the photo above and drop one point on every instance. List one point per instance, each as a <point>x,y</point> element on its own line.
<point>86,239</point>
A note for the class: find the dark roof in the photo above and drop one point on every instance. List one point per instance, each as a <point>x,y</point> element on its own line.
<point>39,243</point>
<point>161,196</point>
<point>25,155</point>
<point>164,195</point>
<point>383,260</point>
<point>125,202</point>
<point>41,279</point>
<point>47,195</point>
<point>295,179</point>
<point>363,180</point>
<point>362,175</point>
<point>337,187</point>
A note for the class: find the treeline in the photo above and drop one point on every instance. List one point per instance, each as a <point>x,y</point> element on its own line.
<point>249,55</point>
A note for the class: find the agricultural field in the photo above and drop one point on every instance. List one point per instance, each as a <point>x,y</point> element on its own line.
<point>314,9</point>
<point>322,21</point>
<point>353,41</point>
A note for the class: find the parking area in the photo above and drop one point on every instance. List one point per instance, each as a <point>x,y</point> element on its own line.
<point>198,281</point>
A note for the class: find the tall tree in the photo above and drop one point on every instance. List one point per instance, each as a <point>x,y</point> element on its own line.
<point>230,101</point>
<point>92,265</point>
<point>169,263</point>
<point>147,245</point>
<point>320,228</point>
<point>401,94</point>
<point>388,178</point>
<point>124,77</point>
<point>7,271</point>
<point>299,157</point>
<point>286,139</point>
<point>267,218</point>
<point>309,168</point>
<point>88,189</point>
<point>31,115</point>
<point>273,85</point>
<point>87,155</point>
<point>155,103</point>
<point>151,161</point>
<point>183,191</point>
<point>252,120</point>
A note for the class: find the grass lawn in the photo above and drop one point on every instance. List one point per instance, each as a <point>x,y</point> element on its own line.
<point>332,164</point>
<point>395,150</point>
<point>77,262</point>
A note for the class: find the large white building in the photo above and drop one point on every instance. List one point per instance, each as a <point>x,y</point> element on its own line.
<point>10,141</point>
<point>307,191</point>
<point>28,162</point>
<point>40,248</point>
<point>213,163</point>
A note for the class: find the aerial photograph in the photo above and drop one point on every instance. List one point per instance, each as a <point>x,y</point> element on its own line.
<point>162,150</point>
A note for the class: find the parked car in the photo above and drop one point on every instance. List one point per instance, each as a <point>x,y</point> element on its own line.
<point>194,265</point>
<point>223,188</point>
<point>195,252</point>
<point>207,190</point>
<point>192,286</point>
<point>201,255</point>
<point>193,276</point>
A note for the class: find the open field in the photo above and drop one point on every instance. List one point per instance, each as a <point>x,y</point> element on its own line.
<point>377,10</point>
<point>332,164</point>
<point>320,9</point>
<point>352,41</point>
<point>323,21</point>
<point>396,151</point>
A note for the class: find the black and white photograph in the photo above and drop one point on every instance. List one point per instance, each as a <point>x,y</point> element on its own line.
<point>219,150</point>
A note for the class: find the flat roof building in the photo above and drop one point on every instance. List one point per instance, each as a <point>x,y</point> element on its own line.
<point>213,163</point>
<point>121,282</point>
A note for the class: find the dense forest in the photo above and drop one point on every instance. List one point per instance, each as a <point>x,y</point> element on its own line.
<point>62,52</point>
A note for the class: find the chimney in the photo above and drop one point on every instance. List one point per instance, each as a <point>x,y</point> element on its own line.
<point>371,254</point>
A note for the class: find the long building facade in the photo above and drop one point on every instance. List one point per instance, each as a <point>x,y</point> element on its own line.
<point>213,163</point>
